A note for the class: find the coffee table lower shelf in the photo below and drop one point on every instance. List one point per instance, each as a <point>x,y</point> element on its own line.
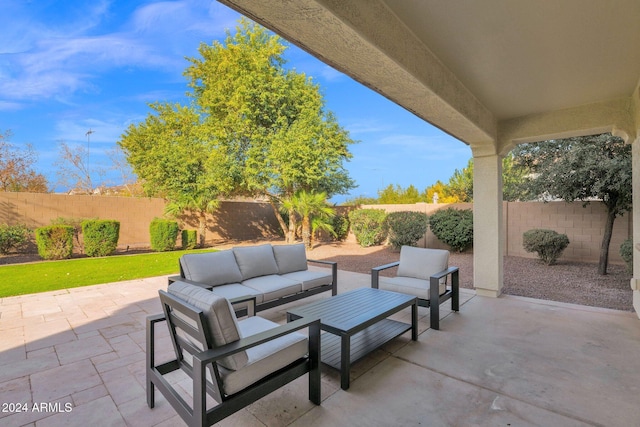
<point>362,343</point>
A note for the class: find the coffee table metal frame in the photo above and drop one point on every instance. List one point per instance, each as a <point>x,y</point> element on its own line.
<point>357,324</point>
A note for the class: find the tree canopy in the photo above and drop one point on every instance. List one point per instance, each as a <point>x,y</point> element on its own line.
<point>588,168</point>
<point>252,128</point>
<point>16,168</point>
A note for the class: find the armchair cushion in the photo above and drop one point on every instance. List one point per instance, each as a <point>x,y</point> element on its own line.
<point>409,285</point>
<point>220,316</point>
<point>255,261</point>
<point>214,268</point>
<point>264,358</point>
<point>422,263</point>
<point>290,258</point>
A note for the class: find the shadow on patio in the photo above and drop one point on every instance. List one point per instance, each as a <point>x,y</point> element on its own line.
<point>78,356</point>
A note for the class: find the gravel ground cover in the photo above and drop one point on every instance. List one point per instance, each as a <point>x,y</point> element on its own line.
<point>568,281</point>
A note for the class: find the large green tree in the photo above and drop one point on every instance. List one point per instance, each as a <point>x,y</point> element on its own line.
<point>588,168</point>
<point>253,128</point>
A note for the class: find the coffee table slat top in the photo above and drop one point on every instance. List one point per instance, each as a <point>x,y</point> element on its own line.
<point>350,310</point>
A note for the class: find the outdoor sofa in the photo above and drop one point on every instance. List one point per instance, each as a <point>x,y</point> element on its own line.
<point>273,274</point>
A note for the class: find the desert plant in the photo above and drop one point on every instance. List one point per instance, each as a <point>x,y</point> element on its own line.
<point>406,228</point>
<point>189,239</point>
<point>341,227</point>
<point>100,236</point>
<point>12,237</point>
<point>164,233</point>
<point>369,226</point>
<point>55,241</point>
<point>453,227</point>
<point>626,252</point>
<point>548,244</point>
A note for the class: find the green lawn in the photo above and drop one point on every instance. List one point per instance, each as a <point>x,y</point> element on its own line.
<point>20,279</point>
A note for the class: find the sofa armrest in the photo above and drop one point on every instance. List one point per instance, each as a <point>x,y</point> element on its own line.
<point>251,307</point>
<point>375,273</point>
<point>182,279</point>
<point>334,273</point>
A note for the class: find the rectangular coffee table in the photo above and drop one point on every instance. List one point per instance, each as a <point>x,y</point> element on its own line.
<point>357,324</point>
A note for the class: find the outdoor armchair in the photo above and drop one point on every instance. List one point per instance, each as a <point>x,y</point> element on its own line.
<point>423,273</point>
<point>235,362</point>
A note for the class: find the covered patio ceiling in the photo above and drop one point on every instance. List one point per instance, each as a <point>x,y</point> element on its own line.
<point>478,70</point>
<point>492,73</point>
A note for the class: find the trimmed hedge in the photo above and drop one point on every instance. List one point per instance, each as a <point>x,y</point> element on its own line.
<point>164,233</point>
<point>369,226</point>
<point>55,241</point>
<point>189,239</point>
<point>100,236</point>
<point>406,227</point>
<point>13,237</point>
<point>549,244</point>
<point>626,252</point>
<point>340,225</point>
<point>453,227</point>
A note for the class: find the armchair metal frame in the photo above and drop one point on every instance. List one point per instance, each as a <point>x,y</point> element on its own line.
<point>199,415</point>
<point>435,298</point>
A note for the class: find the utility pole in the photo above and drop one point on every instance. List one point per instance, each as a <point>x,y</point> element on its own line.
<point>88,135</point>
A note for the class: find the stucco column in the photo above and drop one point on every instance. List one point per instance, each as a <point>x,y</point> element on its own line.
<point>635,281</point>
<point>488,234</point>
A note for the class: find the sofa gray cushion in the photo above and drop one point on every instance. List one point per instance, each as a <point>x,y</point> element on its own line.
<point>235,290</point>
<point>422,263</point>
<point>310,279</point>
<point>273,286</point>
<point>255,261</point>
<point>211,268</point>
<point>290,257</point>
<point>220,318</point>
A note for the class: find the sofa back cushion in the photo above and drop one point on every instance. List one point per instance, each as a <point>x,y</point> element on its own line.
<point>220,317</point>
<point>290,258</point>
<point>211,268</point>
<point>255,261</point>
<point>422,263</point>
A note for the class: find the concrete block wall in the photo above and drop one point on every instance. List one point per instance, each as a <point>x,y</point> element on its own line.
<point>248,220</point>
<point>232,221</point>
<point>584,226</point>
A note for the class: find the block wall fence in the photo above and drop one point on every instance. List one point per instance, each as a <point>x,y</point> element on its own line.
<point>240,220</point>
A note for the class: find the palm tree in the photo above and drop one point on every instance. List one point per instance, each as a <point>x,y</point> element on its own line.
<point>200,204</point>
<point>309,205</point>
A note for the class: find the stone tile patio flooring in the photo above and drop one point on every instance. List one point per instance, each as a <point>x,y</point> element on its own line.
<point>76,357</point>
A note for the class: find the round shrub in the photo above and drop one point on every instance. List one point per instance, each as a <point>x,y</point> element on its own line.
<point>55,241</point>
<point>453,227</point>
<point>369,226</point>
<point>12,237</point>
<point>549,244</point>
<point>164,233</point>
<point>100,236</point>
<point>626,252</point>
<point>406,228</point>
<point>340,225</point>
<point>189,239</point>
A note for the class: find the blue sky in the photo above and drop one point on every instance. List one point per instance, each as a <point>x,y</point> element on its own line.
<point>70,66</point>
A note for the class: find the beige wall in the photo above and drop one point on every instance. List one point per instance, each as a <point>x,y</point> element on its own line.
<point>251,220</point>
<point>583,225</point>
<point>233,221</point>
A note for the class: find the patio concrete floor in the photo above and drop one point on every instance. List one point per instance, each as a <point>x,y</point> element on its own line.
<point>76,357</point>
